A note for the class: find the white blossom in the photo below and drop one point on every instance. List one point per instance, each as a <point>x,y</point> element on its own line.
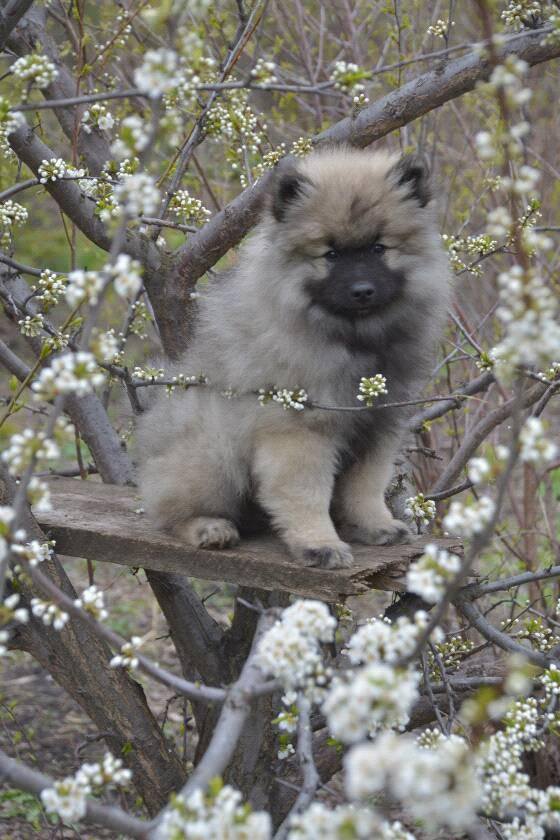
<point>127,658</point>
<point>71,373</point>
<point>83,286</point>
<point>467,520</point>
<point>92,600</point>
<point>420,509</point>
<point>51,170</point>
<point>49,613</point>
<point>126,275</point>
<point>438,786</point>
<point>371,387</point>
<point>478,469</point>
<point>35,68</point>
<point>23,446</point>
<point>213,816</point>
<point>290,649</point>
<point>97,116</point>
<point>66,799</point>
<point>536,448</point>
<point>157,73</point>
<point>137,195</point>
<point>430,574</point>
<point>102,774</point>
<point>320,822</point>
<point>287,398</point>
<point>374,697</point>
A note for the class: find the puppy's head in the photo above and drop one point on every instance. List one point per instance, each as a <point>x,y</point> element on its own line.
<point>357,224</point>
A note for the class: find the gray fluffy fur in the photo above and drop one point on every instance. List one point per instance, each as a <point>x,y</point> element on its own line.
<point>318,475</point>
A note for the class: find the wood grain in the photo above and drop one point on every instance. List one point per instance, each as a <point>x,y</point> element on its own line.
<point>101,522</point>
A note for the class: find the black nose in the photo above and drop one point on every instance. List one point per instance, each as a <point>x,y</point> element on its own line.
<point>362,292</point>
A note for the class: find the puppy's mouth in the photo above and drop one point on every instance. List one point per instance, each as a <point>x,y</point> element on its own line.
<point>350,312</point>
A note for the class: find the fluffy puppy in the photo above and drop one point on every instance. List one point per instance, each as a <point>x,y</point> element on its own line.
<point>343,278</point>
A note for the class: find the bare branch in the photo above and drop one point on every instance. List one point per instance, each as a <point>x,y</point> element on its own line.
<point>413,100</point>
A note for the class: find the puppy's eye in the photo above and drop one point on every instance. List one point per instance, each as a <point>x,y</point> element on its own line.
<point>378,248</point>
<point>331,255</point>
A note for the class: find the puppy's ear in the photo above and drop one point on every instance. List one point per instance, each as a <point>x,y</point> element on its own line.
<point>288,185</point>
<point>413,172</point>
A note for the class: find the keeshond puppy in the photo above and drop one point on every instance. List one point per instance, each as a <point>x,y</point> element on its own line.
<point>343,278</point>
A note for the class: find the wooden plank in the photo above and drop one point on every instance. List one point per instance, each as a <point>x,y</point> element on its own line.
<point>105,523</point>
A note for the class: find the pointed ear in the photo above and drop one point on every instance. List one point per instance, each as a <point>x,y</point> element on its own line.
<point>288,185</point>
<point>413,172</point>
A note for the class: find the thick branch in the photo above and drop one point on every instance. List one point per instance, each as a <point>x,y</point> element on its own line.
<point>413,100</point>
<point>31,32</point>
<point>10,16</point>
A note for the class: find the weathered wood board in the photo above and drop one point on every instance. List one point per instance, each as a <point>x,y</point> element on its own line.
<point>105,523</point>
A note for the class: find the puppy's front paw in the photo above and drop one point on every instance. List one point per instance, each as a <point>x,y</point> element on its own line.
<point>388,532</point>
<point>208,532</point>
<point>337,556</point>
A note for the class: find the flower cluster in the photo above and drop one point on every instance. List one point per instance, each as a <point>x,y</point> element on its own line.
<point>10,121</point>
<point>519,13</point>
<point>440,28</point>
<point>11,214</point>
<point>467,520</point>
<point>71,373</point>
<point>26,446</point>
<point>134,136</point>
<point>31,325</point>
<point>9,610</point>
<point>39,495</point>
<point>49,613</point>
<point>376,694</point>
<point>158,72</point>
<point>264,72</point>
<point>34,552</point>
<point>429,576</point>
<point>67,797</point>
<point>103,774</point>
<point>127,658</point>
<point>220,813</point>
<point>290,650</point>
<point>420,509</point>
<point>92,600</point>
<point>374,697</point>
<point>287,398</point>
<point>349,78</point>
<point>535,448</point>
<point>473,246</point>
<point>105,346</point>
<point>371,387</point>
<point>438,785</point>
<point>35,68</point>
<point>49,288</point>
<point>51,170</point>
<point>478,469</point>
<point>380,640</point>
<point>97,116</point>
<point>188,208</point>
<point>126,276</point>
<point>529,312</point>
<point>137,195</point>
<point>83,286</point>
<point>344,821</point>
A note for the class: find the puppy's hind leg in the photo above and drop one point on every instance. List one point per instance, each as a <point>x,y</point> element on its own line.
<point>188,494</point>
<point>294,472</point>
